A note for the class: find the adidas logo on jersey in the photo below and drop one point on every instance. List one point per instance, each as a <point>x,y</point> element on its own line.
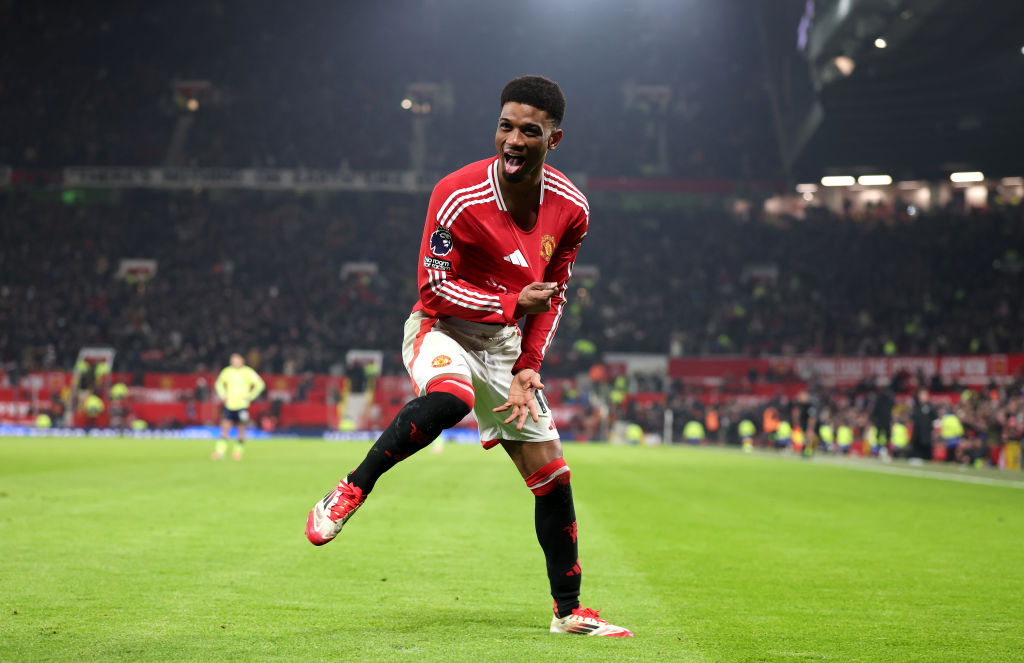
<point>516,258</point>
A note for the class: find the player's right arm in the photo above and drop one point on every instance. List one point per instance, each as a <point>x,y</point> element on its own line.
<point>443,289</point>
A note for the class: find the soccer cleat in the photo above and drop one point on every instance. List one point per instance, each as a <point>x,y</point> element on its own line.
<point>329,514</point>
<point>584,621</point>
<point>237,455</point>
<point>217,455</point>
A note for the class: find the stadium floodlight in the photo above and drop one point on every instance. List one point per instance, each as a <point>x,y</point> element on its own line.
<point>806,188</point>
<point>406,103</point>
<point>838,180</point>
<point>844,64</point>
<point>881,43</point>
<point>874,180</point>
<point>970,176</point>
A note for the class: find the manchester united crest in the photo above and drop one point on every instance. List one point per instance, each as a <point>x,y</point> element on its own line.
<point>547,247</point>
<point>441,361</point>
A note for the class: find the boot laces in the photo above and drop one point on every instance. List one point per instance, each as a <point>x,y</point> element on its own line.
<point>588,613</point>
<point>349,497</point>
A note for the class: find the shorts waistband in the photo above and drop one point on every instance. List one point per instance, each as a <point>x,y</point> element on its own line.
<point>477,335</point>
<point>480,329</point>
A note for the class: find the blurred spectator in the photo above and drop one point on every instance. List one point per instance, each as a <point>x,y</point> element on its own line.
<point>923,421</point>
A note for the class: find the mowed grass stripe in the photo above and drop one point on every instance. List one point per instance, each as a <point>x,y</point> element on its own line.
<point>190,546</point>
<point>145,550</point>
<point>868,567</point>
<point>957,473</point>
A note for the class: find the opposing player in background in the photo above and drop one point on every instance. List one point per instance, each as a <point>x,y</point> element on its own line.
<point>237,386</point>
<point>498,248</point>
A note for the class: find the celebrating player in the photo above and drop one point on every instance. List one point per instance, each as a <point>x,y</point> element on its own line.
<point>498,247</point>
<point>237,386</point>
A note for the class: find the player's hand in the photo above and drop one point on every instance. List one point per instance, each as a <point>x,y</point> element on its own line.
<point>535,298</point>
<point>521,398</point>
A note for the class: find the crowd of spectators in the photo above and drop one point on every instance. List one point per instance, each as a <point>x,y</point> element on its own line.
<point>266,274</point>
<point>704,282</point>
<point>254,276</point>
<point>909,418</point>
<point>308,85</point>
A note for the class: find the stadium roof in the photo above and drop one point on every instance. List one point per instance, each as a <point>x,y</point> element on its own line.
<point>944,92</point>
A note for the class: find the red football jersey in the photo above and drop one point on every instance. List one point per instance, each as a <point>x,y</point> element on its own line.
<point>474,259</point>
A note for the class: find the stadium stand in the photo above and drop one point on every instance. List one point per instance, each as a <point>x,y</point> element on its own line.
<point>267,276</point>
<point>297,280</point>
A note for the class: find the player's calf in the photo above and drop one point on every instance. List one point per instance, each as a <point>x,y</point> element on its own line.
<point>445,404</point>
<point>415,426</point>
<point>555,521</point>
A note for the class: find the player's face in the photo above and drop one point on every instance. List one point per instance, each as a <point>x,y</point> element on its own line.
<point>237,361</point>
<point>524,136</point>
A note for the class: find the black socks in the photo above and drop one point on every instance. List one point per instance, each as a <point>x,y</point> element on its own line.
<point>414,427</point>
<point>555,519</point>
<point>417,425</point>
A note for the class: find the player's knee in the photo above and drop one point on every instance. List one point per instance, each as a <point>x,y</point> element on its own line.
<point>435,411</point>
<point>460,389</point>
<point>551,476</point>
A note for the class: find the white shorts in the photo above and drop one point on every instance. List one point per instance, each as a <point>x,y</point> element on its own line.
<point>483,353</point>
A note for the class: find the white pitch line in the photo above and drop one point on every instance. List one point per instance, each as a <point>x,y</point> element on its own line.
<point>923,474</point>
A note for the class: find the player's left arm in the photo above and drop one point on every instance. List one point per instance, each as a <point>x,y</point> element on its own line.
<point>258,385</point>
<point>539,329</point>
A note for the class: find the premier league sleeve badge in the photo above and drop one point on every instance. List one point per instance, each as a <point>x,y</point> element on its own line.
<point>441,242</point>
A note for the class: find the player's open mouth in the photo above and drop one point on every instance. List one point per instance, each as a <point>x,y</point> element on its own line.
<point>513,163</point>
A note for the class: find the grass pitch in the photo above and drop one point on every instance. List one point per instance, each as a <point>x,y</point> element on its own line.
<point>125,550</point>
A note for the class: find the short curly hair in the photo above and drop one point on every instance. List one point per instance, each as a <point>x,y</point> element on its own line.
<point>539,92</point>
